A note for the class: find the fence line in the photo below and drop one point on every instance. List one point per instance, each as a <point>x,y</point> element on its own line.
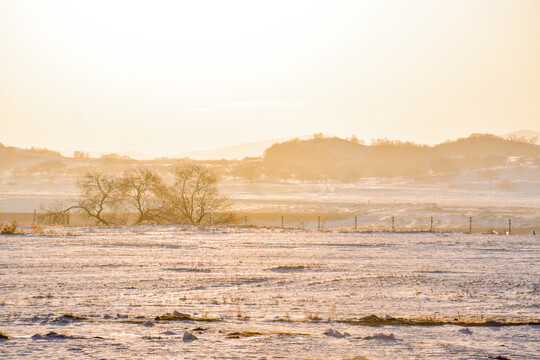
<point>321,224</point>
<point>392,226</point>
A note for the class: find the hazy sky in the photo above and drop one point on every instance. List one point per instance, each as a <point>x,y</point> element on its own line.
<point>166,77</point>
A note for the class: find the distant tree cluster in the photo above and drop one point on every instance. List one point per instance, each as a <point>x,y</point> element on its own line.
<point>522,139</point>
<point>140,196</point>
<point>114,157</point>
<point>81,155</point>
<point>44,151</point>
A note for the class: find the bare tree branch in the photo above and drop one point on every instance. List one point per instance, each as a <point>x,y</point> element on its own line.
<point>194,195</point>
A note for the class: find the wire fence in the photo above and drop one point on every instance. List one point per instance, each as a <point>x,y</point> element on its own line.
<point>337,222</point>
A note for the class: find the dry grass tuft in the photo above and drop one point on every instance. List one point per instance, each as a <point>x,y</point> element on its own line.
<point>37,229</point>
<point>242,334</point>
<point>10,229</point>
<point>374,320</point>
<point>185,318</point>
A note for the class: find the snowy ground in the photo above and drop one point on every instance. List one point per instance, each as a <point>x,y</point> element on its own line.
<point>263,293</point>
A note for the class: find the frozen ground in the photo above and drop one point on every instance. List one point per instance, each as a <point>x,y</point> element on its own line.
<point>263,293</point>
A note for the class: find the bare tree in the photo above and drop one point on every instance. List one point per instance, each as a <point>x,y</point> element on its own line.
<point>56,213</point>
<point>193,198</point>
<point>195,195</point>
<point>99,199</point>
<point>99,195</point>
<point>143,190</point>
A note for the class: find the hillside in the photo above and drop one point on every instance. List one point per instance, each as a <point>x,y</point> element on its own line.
<point>487,145</point>
<point>316,159</point>
<point>13,156</point>
<point>344,160</point>
<point>36,160</point>
<point>309,159</point>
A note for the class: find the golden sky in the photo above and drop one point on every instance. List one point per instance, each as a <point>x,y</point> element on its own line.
<point>165,77</point>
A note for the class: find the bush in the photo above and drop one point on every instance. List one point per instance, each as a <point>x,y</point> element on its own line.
<point>9,228</point>
<point>37,229</point>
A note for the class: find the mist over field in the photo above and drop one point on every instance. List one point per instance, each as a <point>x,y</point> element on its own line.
<point>339,182</point>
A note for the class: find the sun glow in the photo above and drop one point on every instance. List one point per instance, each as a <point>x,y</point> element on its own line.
<point>165,77</point>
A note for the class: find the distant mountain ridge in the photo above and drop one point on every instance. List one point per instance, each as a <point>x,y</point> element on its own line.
<point>301,151</point>
<point>324,158</point>
<point>257,148</point>
<point>240,151</point>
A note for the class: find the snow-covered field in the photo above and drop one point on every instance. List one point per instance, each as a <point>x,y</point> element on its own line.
<point>138,292</point>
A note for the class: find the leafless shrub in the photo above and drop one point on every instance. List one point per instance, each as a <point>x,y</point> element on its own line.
<point>9,229</point>
<point>56,213</point>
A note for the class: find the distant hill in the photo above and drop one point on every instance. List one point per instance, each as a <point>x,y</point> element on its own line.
<point>344,160</point>
<point>38,160</point>
<point>318,158</point>
<point>487,145</point>
<point>308,159</point>
<point>13,156</point>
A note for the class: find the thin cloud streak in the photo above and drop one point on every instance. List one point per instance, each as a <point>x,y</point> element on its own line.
<point>262,104</point>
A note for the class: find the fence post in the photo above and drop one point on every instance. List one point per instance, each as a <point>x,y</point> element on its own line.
<point>355,223</point>
<point>431,226</point>
<point>470,224</point>
<point>34,220</point>
<point>282,221</point>
<point>509,227</point>
<point>393,228</point>
<point>319,223</point>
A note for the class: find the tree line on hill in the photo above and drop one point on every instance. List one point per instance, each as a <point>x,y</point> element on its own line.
<point>317,159</point>
<point>330,158</point>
